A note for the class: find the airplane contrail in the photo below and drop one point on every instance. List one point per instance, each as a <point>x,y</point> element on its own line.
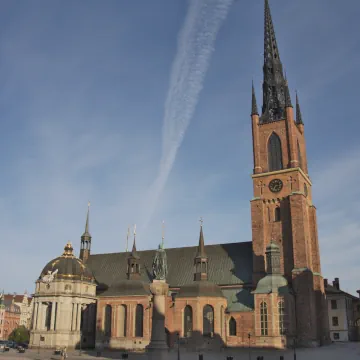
<point>195,46</point>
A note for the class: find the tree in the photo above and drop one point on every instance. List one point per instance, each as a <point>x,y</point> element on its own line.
<point>20,335</point>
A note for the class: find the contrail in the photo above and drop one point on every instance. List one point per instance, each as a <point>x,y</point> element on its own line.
<point>194,48</point>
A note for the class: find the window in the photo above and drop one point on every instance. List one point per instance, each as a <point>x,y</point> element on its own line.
<point>122,320</point>
<point>108,316</point>
<point>232,327</point>
<point>277,214</point>
<point>208,320</point>
<point>188,321</point>
<point>263,319</point>
<point>139,320</point>
<point>299,155</point>
<point>333,304</point>
<point>335,321</point>
<point>274,153</point>
<point>281,309</point>
<point>336,336</point>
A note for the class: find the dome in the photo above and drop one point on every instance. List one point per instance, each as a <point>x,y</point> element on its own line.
<point>68,267</point>
<point>200,288</point>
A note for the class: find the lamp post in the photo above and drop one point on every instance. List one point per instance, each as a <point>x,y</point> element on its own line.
<point>178,349</point>
<point>249,337</point>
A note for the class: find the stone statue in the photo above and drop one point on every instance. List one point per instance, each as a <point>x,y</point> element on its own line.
<point>49,277</point>
<point>159,265</point>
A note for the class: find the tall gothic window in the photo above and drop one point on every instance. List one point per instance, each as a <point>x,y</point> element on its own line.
<point>281,310</point>
<point>277,214</point>
<point>232,327</point>
<point>208,320</point>
<point>274,153</point>
<point>48,317</point>
<point>188,321</point>
<point>264,319</point>
<point>108,316</point>
<point>122,320</point>
<point>139,320</point>
<point>299,155</point>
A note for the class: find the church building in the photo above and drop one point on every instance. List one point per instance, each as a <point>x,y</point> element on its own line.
<point>268,292</point>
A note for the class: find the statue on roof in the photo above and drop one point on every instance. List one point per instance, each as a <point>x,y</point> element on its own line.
<point>159,266</point>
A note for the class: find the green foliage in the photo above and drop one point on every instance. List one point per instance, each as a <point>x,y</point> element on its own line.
<point>20,335</point>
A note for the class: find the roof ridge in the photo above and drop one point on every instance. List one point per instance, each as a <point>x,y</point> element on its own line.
<point>180,247</point>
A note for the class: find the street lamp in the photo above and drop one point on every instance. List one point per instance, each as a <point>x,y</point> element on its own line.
<point>178,352</point>
<point>249,337</point>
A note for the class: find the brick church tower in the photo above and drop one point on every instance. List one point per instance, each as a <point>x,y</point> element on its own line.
<point>282,208</point>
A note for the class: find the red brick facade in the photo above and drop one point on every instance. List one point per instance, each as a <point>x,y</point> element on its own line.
<point>294,227</point>
<point>11,320</point>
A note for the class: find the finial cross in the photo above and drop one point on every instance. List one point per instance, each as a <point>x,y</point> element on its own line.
<point>261,185</point>
<point>290,181</point>
<point>201,221</point>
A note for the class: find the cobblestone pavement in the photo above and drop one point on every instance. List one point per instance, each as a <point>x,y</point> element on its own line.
<point>346,351</point>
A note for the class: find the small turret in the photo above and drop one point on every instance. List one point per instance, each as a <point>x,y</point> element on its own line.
<point>133,270</point>
<point>201,259</point>
<point>85,247</point>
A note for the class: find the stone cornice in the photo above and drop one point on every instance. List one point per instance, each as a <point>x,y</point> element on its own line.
<point>284,171</point>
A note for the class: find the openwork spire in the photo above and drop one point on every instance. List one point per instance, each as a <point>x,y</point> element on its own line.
<point>287,95</point>
<point>271,51</point>
<point>274,84</point>
<point>254,108</point>
<point>298,112</point>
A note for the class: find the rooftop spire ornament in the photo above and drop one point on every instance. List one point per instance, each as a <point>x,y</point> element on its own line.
<point>159,266</point>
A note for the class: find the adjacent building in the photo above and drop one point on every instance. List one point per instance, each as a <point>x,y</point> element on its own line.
<point>11,319</point>
<point>267,292</point>
<point>24,302</point>
<point>344,312</point>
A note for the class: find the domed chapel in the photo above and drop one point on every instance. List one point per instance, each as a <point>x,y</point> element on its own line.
<point>268,292</point>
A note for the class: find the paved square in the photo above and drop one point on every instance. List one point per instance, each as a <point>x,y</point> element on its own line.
<point>346,351</point>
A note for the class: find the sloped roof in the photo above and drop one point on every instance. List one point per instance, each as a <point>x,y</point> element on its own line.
<point>330,290</point>
<point>239,300</point>
<point>229,264</point>
<point>8,298</point>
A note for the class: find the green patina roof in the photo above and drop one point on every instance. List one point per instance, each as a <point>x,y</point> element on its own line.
<point>239,300</point>
<point>272,283</point>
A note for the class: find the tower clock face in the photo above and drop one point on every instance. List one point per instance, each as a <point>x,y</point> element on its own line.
<point>275,185</point>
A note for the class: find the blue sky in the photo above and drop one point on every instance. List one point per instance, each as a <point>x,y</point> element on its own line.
<point>82,97</point>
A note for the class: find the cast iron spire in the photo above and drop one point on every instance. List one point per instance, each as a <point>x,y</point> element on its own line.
<point>298,112</point>
<point>254,109</point>
<point>274,85</point>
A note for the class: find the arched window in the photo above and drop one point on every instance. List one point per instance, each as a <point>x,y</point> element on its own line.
<point>281,309</point>
<point>264,319</point>
<point>122,320</point>
<point>232,327</point>
<point>277,214</point>
<point>222,323</point>
<point>108,316</point>
<point>299,155</point>
<point>208,320</point>
<point>188,321</point>
<point>274,153</point>
<point>139,320</point>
